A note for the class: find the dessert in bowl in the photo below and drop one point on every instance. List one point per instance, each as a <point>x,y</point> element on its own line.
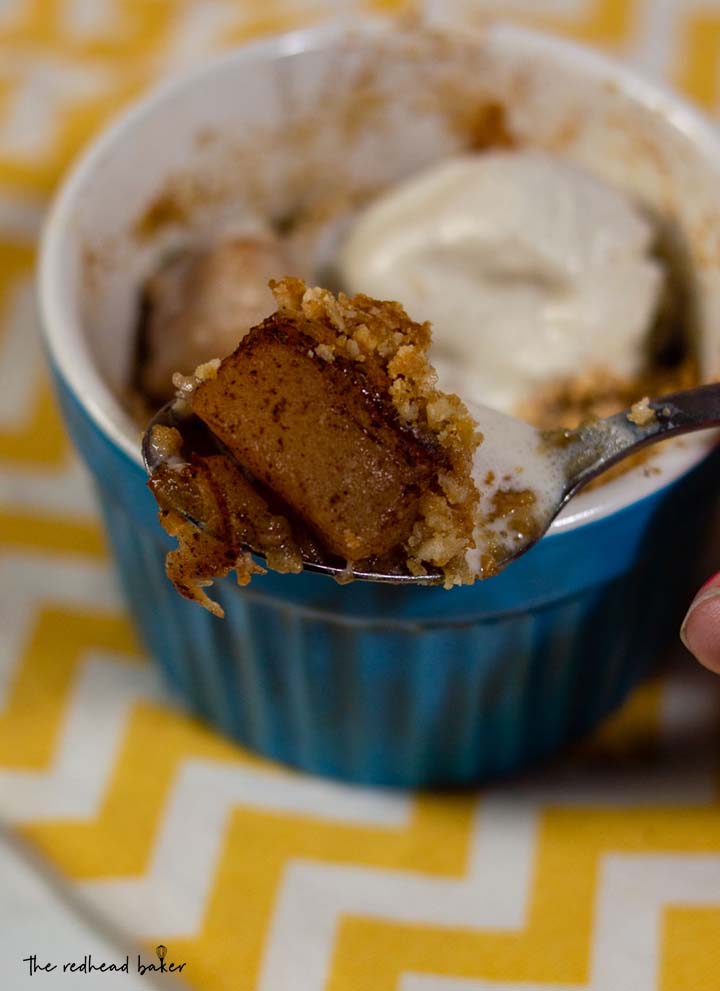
<point>369,682</point>
<point>543,282</point>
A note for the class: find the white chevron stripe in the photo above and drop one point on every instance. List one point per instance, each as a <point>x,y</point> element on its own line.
<point>21,216</point>
<point>29,583</point>
<point>430,982</point>
<point>95,721</point>
<point>67,491</point>
<point>501,856</point>
<point>652,41</point>
<point>657,33</point>
<point>196,32</point>
<point>171,897</point>
<point>315,896</point>
<point>85,19</point>
<point>660,31</point>
<point>20,357</point>
<point>632,893</point>
<point>43,88</point>
<point>10,11</point>
<point>471,11</point>
<point>201,29</point>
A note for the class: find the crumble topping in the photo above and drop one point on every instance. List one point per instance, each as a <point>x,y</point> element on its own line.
<point>597,393</point>
<point>641,413</point>
<point>185,385</point>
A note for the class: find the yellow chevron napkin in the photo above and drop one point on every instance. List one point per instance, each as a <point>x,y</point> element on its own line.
<point>600,872</point>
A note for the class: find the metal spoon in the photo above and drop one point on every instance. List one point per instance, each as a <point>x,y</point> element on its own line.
<point>564,462</point>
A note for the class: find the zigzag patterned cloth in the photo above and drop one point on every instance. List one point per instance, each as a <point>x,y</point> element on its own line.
<point>601,872</point>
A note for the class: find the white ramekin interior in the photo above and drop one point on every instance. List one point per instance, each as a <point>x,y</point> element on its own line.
<point>559,95</point>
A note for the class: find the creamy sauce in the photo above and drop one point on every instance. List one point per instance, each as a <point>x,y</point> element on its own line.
<point>512,457</point>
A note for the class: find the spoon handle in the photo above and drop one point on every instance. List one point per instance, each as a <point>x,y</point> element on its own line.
<point>592,449</point>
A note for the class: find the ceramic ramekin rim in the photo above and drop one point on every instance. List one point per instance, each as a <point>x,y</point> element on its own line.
<point>62,336</point>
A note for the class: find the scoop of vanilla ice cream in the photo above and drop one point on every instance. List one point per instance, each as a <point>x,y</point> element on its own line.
<point>528,267</point>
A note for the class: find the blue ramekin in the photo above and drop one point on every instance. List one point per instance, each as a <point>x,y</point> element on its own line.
<point>374,683</point>
<point>406,686</point>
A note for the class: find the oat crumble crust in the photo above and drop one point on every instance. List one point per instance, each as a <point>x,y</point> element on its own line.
<point>641,413</point>
<point>597,393</point>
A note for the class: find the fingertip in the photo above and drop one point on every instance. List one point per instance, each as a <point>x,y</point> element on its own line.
<point>700,631</point>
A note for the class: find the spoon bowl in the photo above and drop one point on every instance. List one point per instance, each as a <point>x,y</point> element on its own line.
<point>553,465</point>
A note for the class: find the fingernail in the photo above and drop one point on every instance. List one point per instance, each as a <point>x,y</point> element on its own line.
<point>700,630</point>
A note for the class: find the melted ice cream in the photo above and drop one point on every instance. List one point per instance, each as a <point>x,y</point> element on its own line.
<point>528,267</point>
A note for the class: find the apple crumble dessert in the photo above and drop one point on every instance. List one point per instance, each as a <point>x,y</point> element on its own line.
<point>333,436</point>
